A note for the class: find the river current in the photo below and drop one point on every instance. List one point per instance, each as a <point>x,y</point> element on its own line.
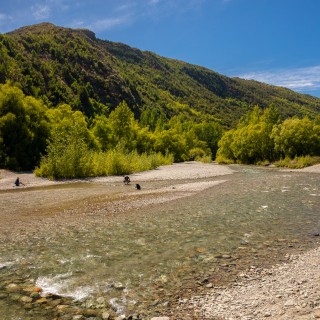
<point>146,258</point>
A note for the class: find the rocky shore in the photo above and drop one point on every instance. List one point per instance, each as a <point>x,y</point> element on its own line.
<point>286,291</point>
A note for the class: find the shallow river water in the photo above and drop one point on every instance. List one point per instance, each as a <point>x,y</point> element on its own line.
<point>144,260</point>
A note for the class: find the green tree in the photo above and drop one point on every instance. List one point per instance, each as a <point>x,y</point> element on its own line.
<point>69,152</point>
<point>210,133</point>
<point>24,128</point>
<point>64,119</point>
<point>225,151</point>
<point>102,132</point>
<point>169,141</point>
<point>297,137</point>
<point>122,125</point>
<point>251,141</point>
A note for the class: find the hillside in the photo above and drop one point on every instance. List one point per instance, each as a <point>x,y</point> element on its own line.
<point>92,75</point>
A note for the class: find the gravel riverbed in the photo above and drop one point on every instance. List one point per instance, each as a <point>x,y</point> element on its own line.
<point>286,291</point>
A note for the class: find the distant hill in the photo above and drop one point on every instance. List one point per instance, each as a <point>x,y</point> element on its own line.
<point>72,66</point>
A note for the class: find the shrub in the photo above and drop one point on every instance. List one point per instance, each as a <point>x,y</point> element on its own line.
<point>78,161</point>
<point>298,162</point>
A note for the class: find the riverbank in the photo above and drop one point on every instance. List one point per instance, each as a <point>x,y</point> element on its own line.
<point>287,291</point>
<point>177,171</point>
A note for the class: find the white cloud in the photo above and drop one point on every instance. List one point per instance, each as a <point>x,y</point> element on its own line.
<point>48,8</point>
<point>40,12</point>
<point>108,23</point>
<point>299,79</point>
<point>127,12</point>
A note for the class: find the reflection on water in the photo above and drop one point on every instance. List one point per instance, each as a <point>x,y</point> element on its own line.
<point>143,258</point>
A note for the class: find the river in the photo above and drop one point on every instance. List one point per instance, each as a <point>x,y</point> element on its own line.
<point>143,260</point>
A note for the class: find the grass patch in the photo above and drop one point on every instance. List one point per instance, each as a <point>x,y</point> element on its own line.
<point>93,164</point>
<point>297,162</point>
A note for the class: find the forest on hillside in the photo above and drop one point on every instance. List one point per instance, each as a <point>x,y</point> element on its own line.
<point>63,143</point>
<point>61,65</point>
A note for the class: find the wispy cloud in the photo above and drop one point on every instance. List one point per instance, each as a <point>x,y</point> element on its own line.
<point>127,12</point>
<point>46,9</point>
<point>299,79</point>
<point>97,15</point>
<point>40,11</point>
<point>108,23</point>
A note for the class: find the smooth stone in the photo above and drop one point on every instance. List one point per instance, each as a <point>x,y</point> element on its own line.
<point>13,287</point>
<point>105,315</point>
<point>55,302</point>
<point>41,301</point>
<point>62,307</point>
<point>289,303</point>
<point>119,286</point>
<point>32,289</point>
<point>90,312</point>
<point>316,313</point>
<point>101,300</point>
<point>26,299</point>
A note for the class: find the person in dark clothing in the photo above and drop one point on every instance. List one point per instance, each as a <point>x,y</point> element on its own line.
<point>17,182</point>
<point>126,180</point>
<point>138,187</point>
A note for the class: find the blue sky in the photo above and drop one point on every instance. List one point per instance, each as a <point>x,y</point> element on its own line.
<point>273,41</point>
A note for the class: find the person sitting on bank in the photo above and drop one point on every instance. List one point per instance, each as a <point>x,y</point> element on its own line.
<point>17,182</point>
<point>126,180</point>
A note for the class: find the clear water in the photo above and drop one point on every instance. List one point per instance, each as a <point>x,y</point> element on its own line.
<point>141,259</point>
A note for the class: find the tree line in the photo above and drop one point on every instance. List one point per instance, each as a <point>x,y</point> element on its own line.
<point>62,142</point>
<point>261,137</point>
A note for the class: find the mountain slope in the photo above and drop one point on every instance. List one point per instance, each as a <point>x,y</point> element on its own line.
<point>72,66</point>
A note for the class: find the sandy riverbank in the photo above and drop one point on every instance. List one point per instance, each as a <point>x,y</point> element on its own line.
<point>177,171</point>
